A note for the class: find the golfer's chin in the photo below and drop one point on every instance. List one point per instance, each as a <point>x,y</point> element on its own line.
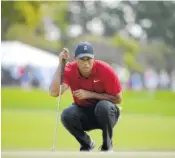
<point>86,70</point>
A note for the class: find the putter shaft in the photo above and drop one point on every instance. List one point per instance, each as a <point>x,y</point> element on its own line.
<point>57,119</point>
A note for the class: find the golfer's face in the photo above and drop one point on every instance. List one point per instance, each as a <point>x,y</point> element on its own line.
<point>85,64</point>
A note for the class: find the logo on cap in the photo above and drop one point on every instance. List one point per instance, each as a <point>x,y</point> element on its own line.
<point>85,48</point>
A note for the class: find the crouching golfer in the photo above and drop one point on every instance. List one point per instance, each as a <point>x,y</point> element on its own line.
<point>95,89</point>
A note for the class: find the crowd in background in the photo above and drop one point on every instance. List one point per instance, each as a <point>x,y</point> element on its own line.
<point>27,77</point>
<point>31,77</point>
<point>132,33</point>
<point>149,79</point>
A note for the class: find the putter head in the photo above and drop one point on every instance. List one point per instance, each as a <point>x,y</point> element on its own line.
<point>53,149</point>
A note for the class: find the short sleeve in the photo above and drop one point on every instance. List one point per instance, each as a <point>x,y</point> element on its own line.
<point>67,74</point>
<point>112,83</point>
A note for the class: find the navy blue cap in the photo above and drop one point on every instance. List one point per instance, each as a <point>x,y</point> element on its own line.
<point>84,49</point>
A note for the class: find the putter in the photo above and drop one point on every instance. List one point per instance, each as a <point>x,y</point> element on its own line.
<point>58,105</point>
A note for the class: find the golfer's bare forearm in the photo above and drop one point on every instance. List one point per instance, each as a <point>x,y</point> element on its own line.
<point>55,84</point>
<point>105,96</point>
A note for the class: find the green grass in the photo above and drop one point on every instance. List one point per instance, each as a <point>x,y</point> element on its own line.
<point>33,129</point>
<point>18,99</point>
<point>28,121</point>
<point>162,103</point>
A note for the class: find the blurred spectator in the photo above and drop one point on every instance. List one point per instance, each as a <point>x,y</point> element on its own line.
<point>20,71</point>
<point>46,79</point>
<point>124,74</point>
<point>25,78</point>
<point>173,80</point>
<point>151,80</point>
<point>14,74</point>
<point>164,79</point>
<point>6,78</point>
<point>136,81</point>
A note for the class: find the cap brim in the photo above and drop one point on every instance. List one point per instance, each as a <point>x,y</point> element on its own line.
<point>85,55</point>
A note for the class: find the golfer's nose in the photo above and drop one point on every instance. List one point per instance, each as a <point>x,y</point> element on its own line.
<point>86,64</point>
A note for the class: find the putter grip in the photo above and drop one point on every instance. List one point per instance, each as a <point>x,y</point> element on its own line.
<point>62,70</point>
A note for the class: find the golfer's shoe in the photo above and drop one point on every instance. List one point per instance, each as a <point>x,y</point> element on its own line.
<point>103,148</point>
<point>88,148</point>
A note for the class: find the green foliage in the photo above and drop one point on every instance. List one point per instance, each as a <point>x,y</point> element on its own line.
<point>130,61</point>
<point>23,12</point>
<point>93,38</point>
<point>29,11</point>
<point>127,45</point>
<point>130,50</point>
<point>60,15</point>
<point>161,15</point>
<point>158,55</point>
<point>25,34</point>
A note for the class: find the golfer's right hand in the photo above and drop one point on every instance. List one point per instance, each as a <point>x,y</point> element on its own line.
<point>64,54</point>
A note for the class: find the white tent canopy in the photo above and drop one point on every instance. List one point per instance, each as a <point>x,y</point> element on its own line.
<point>15,53</point>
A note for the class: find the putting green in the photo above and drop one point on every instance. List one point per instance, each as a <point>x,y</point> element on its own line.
<point>33,129</point>
<point>28,121</point>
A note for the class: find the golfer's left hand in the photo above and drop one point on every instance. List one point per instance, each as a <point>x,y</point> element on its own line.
<point>82,94</point>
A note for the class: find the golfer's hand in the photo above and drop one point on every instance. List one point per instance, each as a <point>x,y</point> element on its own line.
<point>64,54</point>
<point>82,94</point>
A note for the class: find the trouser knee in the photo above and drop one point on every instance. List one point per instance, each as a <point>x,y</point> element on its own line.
<point>107,112</point>
<point>67,118</point>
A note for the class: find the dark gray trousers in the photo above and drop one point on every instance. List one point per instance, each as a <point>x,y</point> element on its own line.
<point>104,115</point>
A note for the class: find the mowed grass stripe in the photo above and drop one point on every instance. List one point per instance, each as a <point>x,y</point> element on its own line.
<point>34,129</point>
<point>162,103</point>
